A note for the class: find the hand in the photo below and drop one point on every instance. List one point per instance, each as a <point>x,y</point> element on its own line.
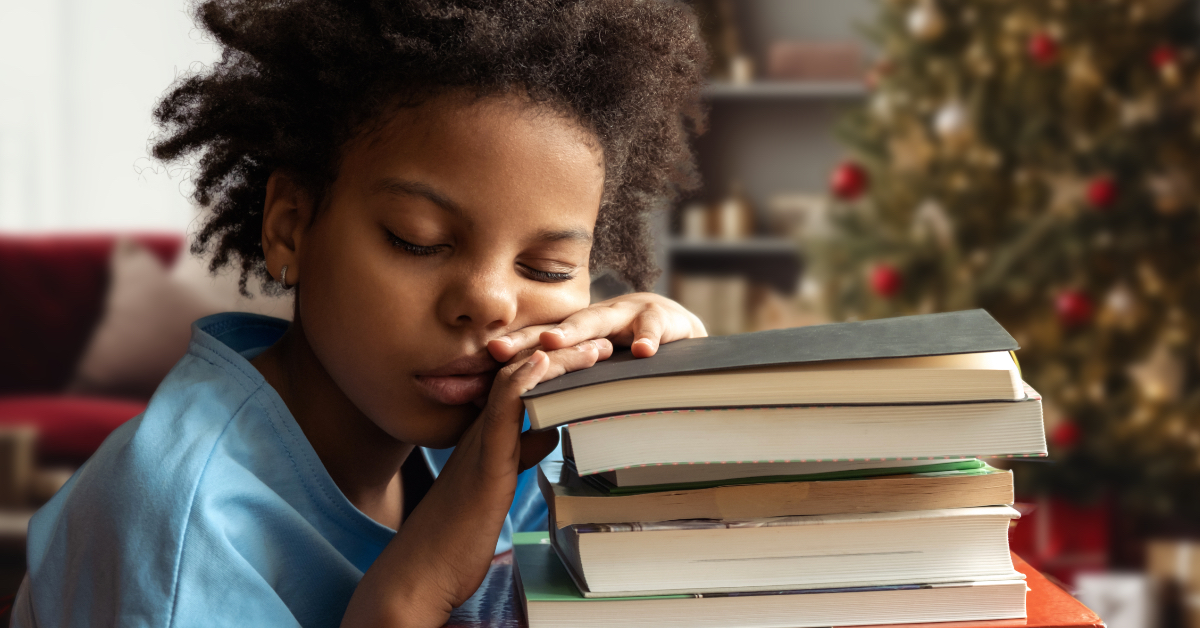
<point>641,321</point>
<point>443,550</point>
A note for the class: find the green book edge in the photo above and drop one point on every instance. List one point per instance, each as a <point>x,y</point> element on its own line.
<point>543,577</point>
<point>959,465</point>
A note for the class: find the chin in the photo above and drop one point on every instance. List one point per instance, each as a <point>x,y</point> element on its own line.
<point>444,427</point>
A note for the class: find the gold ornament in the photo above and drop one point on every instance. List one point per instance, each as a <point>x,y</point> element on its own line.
<point>911,150</point>
<point>1082,74</point>
<point>1120,308</point>
<point>1171,191</point>
<point>980,61</point>
<point>1140,111</point>
<point>931,224</point>
<point>1066,193</point>
<point>925,21</point>
<point>1159,378</point>
<point>953,124</point>
<point>1151,281</point>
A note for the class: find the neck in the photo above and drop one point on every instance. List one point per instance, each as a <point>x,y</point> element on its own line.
<point>363,460</point>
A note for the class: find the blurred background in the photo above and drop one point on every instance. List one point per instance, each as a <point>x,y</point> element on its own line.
<point>864,159</point>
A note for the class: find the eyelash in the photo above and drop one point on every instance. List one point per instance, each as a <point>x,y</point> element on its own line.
<point>542,275</point>
<point>414,249</point>
<point>422,251</point>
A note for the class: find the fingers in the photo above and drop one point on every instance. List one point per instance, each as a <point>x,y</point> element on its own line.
<point>580,356</point>
<point>508,346</point>
<point>535,446</point>
<point>648,330</point>
<point>597,321</point>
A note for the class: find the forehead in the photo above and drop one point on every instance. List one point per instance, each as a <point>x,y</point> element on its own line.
<point>497,157</point>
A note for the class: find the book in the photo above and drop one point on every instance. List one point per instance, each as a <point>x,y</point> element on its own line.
<point>574,501</point>
<point>716,438</point>
<point>956,356</point>
<point>786,553</point>
<point>670,477</point>
<point>548,598</point>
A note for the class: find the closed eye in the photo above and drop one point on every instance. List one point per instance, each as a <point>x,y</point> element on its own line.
<point>413,249</point>
<point>542,275</point>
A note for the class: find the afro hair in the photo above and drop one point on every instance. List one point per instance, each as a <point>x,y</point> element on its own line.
<point>298,79</point>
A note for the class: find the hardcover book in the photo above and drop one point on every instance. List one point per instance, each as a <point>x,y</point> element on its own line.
<point>841,550</point>
<point>956,356</point>
<point>549,599</point>
<point>573,500</point>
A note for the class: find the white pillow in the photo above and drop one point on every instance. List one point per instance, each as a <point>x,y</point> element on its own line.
<point>147,320</point>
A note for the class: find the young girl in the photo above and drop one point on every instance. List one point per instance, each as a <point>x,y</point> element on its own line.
<point>435,182</point>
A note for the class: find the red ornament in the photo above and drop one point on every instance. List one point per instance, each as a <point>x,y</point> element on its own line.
<point>1102,192</point>
<point>886,281</point>
<point>1066,434</point>
<point>1163,56</point>
<point>1074,308</point>
<point>848,181</point>
<point>1043,48</point>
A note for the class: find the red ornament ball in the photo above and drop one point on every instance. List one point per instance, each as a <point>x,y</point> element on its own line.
<point>1102,192</point>
<point>886,281</point>
<point>1043,48</point>
<point>848,181</point>
<point>1066,434</point>
<point>1074,308</point>
<point>1163,56</point>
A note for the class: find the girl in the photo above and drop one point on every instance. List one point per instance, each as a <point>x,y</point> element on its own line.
<point>435,181</point>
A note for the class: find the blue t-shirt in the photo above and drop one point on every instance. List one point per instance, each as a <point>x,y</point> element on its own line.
<point>210,509</point>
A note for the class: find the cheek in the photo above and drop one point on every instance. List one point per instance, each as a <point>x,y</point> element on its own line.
<point>554,302</point>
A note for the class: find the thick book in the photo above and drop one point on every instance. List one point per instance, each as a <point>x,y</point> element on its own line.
<point>676,477</point>
<point>549,599</point>
<point>731,437</point>
<point>956,356</point>
<point>573,500</point>
<point>786,553</point>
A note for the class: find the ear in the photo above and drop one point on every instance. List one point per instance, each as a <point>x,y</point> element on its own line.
<point>287,212</point>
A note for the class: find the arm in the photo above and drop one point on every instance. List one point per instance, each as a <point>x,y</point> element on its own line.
<point>442,552</point>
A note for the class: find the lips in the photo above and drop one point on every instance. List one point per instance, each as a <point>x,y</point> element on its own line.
<point>460,381</point>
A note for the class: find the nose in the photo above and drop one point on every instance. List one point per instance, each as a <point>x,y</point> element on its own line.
<point>480,296</point>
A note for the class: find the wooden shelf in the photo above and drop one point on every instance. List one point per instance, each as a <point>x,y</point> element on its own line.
<point>774,261</point>
<point>785,90</point>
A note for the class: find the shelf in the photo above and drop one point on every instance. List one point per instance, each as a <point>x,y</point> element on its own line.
<point>773,261</point>
<point>785,90</point>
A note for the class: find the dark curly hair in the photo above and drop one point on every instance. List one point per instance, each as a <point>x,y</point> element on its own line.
<point>298,79</point>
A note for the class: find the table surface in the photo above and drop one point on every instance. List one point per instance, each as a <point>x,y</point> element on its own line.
<point>495,605</point>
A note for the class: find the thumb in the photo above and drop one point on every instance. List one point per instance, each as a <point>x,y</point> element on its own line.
<point>535,446</point>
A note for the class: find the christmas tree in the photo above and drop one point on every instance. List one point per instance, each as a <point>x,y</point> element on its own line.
<point>1035,158</point>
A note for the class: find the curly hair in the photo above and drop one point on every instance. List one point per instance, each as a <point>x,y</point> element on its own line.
<point>298,79</point>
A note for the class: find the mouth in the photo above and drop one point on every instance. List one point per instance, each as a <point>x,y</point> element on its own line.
<point>461,381</point>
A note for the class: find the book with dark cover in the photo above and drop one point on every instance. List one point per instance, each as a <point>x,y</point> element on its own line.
<point>971,331</point>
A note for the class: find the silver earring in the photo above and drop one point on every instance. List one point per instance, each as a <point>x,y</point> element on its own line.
<point>283,276</point>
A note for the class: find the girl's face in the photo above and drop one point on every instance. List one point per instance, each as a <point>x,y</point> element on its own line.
<point>457,222</point>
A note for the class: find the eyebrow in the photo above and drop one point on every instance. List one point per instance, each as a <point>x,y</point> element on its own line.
<point>404,187</point>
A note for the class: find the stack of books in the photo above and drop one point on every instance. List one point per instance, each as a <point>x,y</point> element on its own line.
<point>817,476</point>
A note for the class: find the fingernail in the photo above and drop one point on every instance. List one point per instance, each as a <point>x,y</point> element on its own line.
<point>557,332</point>
<point>537,358</point>
<point>644,341</point>
<point>506,340</point>
<point>586,345</point>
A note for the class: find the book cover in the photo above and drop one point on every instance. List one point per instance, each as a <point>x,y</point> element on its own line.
<point>971,331</point>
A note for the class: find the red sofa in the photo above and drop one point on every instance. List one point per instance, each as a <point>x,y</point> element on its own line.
<point>52,295</point>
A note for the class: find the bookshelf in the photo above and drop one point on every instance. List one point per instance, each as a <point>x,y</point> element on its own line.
<point>771,139</point>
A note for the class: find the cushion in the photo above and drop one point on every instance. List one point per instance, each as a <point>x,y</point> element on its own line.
<point>69,428</point>
<point>53,290</point>
<point>147,320</point>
